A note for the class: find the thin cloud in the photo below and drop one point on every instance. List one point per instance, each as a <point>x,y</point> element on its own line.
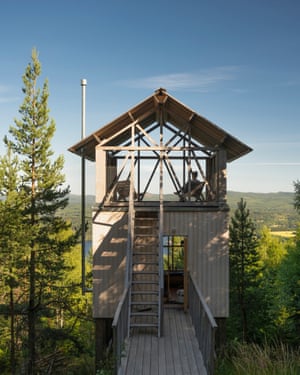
<point>274,164</point>
<point>5,96</point>
<point>279,143</point>
<point>204,80</point>
<point>8,99</point>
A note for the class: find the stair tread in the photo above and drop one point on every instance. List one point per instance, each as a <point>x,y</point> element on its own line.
<point>144,325</point>
<point>144,262</point>
<point>152,303</point>
<point>145,253</point>
<point>144,313</point>
<point>145,247</point>
<point>146,292</point>
<point>147,218</point>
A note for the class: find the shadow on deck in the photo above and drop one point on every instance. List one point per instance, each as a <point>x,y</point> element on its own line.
<point>176,352</point>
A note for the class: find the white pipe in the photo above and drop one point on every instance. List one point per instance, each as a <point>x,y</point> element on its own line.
<point>83,86</point>
<point>83,281</point>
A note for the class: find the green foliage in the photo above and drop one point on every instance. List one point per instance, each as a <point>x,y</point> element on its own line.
<point>289,279</point>
<point>264,279</point>
<point>253,359</point>
<point>297,196</point>
<point>49,322</point>
<point>173,256</point>
<point>244,274</point>
<point>272,251</point>
<point>72,212</point>
<point>107,366</point>
<point>273,210</point>
<point>13,258</point>
<point>274,315</point>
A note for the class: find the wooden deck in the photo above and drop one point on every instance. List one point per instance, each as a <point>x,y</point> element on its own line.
<point>176,352</point>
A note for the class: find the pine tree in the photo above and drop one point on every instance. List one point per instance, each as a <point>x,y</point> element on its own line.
<point>297,196</point>
<point>244,270</point>
<point>12,249</point>
<point>290,278</point>
<point>290,275</point>
<point>272,250</point>
<point>43,183</point>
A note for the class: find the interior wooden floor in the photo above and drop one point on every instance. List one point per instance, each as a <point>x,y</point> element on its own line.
<point>176,352</point>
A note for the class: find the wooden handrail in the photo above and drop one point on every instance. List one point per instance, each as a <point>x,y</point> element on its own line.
<point>120,328</point>
<point>204,324</point>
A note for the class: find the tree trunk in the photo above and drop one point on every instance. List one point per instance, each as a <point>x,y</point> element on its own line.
<point>31,316</point>
<point>12,333</point>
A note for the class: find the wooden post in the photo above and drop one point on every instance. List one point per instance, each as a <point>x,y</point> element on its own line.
<point>100,174</point>
<point>185,274</point>
<point>103,334</point>
<point>222,174</point>
<point>106,172</point>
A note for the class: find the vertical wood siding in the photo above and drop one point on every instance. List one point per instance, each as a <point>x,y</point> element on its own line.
<point>207,233</point>
<point>109,258</point>
<point>208,262</point>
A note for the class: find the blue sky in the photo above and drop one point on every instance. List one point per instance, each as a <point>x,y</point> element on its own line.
<point>236,62</point>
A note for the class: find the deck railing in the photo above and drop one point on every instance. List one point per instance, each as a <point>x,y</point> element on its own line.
<point>120,328</point>
<point>204,324</point>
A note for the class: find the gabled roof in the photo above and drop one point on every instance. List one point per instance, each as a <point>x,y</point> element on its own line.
<point>172,111</point>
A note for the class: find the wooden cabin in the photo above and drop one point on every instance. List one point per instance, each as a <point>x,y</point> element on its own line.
<point>157,224</point>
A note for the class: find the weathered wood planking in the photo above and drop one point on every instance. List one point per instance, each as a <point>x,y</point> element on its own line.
<point>176,352</point>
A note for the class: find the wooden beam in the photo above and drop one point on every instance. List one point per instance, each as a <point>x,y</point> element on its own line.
<point>146,135</point>
<point>107,140</point>
<point>97,138</point>
<point>127,127</point>
<point>151,148</point>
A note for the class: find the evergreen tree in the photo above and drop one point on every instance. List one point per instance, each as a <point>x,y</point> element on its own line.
<point>290,280</point>
<point>244,272</point>
<point>289,276</point>
<point>297,195</point>
<point>12,253</point>
<point>272,250</point>
<point>44,195</point>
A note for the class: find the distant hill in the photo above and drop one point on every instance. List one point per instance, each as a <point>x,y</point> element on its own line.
<point>255,201</point>
<point>274,210</point>
<point>76,199</point>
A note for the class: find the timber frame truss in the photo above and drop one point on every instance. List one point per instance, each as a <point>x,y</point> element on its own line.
<point>163,154</point>
<point>154,147</point>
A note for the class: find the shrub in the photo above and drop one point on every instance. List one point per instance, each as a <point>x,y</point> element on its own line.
<point>253,359</point>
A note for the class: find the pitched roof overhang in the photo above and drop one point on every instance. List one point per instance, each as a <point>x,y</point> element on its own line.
<point>149,111</point>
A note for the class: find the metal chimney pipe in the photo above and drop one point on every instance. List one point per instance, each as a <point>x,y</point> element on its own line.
<point>83,281</point>
<point>83,87</point>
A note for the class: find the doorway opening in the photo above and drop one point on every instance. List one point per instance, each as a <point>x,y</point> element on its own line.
<point>175,270</point>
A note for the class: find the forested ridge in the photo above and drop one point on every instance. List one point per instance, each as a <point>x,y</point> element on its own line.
<point>274,210</point>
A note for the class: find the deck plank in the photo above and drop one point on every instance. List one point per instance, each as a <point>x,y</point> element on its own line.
<point>176,352</point>
<point>167,347</point>
<point>175,335</point>
<point>147,355</point>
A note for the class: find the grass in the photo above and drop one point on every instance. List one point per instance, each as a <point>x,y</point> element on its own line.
<point>252,359</point>
<point>284,233</point>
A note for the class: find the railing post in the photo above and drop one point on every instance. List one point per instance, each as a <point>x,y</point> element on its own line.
<point>204,325</point>
<point>120,329</point>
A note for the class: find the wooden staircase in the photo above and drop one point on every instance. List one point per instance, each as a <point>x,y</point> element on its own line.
<point>145,293</point>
